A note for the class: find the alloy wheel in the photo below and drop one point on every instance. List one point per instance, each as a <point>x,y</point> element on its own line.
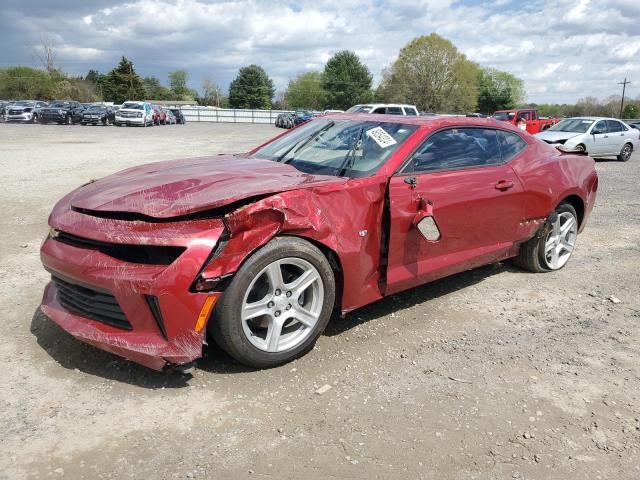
<point>626,152</point>
<point>561,240</point>
<point>282,305</point>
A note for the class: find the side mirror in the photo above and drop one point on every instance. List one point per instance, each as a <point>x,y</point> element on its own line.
<point>595,132</point>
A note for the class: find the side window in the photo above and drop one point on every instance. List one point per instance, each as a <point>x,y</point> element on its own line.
<point>524,115</point>
<point>456,148</point>
<point>394,111</point>
<point>410,111</point>
<point>614,126</point>
<point>601,127</point>
<point>510,145</point>
<point>380,110</point>
<point>534,114</point>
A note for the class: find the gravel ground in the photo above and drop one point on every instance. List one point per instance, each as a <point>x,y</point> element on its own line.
<point>491,374</point>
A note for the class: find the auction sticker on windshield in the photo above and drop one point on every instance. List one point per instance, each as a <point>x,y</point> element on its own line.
<point>381,137</point>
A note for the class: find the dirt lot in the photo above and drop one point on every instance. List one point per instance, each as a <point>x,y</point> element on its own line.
<point>491,374</point>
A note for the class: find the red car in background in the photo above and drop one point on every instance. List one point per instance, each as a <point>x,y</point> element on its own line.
<point>159,115</point>
<point>534,123</point>
<point>260,249</point>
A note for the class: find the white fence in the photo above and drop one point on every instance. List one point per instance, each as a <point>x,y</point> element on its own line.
<point>230,115</point>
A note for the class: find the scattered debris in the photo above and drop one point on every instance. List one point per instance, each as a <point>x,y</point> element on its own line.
<point>323,389</point>
<point>613,299</point>
<point>460,380</point>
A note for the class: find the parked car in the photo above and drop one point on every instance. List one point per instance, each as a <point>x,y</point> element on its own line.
<point>98,114</point>
<point>3,109</point>
<point>385,109</point>
<point>171,118</point>
<point>598,136</point>
<point>179,115</point>
<point>529,116</point>
<point>285,120</point>
<point>260,249</point>
<point>159,115</point>
<point>26,111</point>
<point>134,113</point>
<point>302,116</point>
<point>635,125</point>
<point>61,111</point>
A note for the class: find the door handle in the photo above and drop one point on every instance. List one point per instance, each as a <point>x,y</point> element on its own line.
<point>504,185</point>
<point>606,136</point>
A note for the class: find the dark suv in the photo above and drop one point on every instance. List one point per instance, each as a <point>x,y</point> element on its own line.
<point>62,111</point>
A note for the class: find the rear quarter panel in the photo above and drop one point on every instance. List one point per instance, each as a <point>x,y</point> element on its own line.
<point>549,176</point>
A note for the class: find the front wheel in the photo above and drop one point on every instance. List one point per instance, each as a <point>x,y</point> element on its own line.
<point>551,248</point>
<point>277,305</point>
<point>625,153</point>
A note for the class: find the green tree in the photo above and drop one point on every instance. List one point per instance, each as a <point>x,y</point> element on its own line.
<point>178,83</point>
<point>431,73</point>
<point>25,82</point>
<point>154,90</point>
<point>122,84</point>
<point>252,88</point>
<point>498,90</point>
<point>631,110</point>
<point>346,81</point>
<point>306,91</point>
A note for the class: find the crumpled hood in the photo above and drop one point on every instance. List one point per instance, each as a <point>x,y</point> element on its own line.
<point>551,136</point>
<point>182,187</point>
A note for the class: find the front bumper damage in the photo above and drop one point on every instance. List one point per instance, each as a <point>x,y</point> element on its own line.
<point>164,312</point>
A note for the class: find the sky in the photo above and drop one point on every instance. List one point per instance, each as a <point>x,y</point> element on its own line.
<point>563,49</point>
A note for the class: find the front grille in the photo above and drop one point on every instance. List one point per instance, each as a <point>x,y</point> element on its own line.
<point>147,254</point>
<point>15,112</point>
<point>129,114</point>
<point>89,302</point>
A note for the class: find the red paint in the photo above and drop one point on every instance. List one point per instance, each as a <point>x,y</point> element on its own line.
<point>479,224</point>
<point>533,122</point>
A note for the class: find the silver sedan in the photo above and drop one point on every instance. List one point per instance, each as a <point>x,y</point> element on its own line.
<point>598,136</point>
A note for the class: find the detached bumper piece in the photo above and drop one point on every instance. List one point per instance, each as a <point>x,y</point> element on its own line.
<point>91,303</point>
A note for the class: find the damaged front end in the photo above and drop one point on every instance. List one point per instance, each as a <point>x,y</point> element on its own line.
<point>124,285</point>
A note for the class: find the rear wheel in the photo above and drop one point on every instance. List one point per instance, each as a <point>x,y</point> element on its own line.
<point>551,248</point>
<point>277,305</point>
<point>68,120</point>
<point>625,153</point>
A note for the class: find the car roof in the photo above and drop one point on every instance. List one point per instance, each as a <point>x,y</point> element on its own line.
<point>431,122</point>
<point>592,118</point>
<point>376,105</point>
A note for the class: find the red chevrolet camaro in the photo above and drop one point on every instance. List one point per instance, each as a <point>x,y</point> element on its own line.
<point>259,249</point>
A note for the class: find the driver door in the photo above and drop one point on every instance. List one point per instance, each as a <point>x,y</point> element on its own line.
<point>598,142</point>
<point>454,206</point>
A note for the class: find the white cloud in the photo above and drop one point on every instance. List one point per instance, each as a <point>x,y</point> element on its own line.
<point>563,50</point>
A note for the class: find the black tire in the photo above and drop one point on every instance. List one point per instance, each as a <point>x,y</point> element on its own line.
<point>225,325</point>
<point>68,120</point>
<point>581,148</point>
<point>625,153</point>
<point>532,252</point>
<point>34,119</point>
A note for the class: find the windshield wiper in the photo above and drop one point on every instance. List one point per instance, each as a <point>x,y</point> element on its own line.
<point>350,157</point>
<point>304,143</point>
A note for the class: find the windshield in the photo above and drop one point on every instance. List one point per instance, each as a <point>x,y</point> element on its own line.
<point>23,103</point>
<point>59,104</point>
<point>133,106</point>
<point>96,108</point>
<point>360,109</point>
<point>507,116</point>
<point>338,147</point>
<point>573,125</point>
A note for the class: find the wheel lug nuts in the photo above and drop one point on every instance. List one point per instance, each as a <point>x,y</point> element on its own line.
<point>288,307</point>
<point>278,292</point>
<point>270,304</point>
<point>277,314</point>
<point>288,294</point>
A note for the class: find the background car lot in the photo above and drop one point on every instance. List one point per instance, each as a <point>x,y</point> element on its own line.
<point>490,373</point>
